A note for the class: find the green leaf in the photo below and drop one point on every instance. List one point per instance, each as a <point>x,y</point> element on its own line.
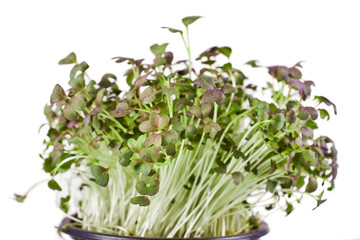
<point>270,186</point>
<point>324,114</point>
<point>221,169</point>
<point>73,106</point>
<point>279,121</point>
<point>312,185</point>
<point>78,82</point>
<point>226,51</point>
<point>253,63</point>
<point>58,94</point>
<point>141,201</point>
<point>158,49</point>
<point>142,167</point>
<point>148,185</point>
<point>19,198</point>
<point>69,59</point>
<point>189,20</point>
<point>163,122</point>
<point>52,184</point>
<point>147,127</point>
<point>147,96</point>
<point>177,125</point>
<point>206,109</point>
<point>171,149</point>
<point>101,175</point>
<point>196,111</point>
<point>211,125</point>
<point>78,67</point>
<point>97,170</point>
<point>289,208</point>
<point>64,203</point>
<point>125,157</point>
<point>173,30</point>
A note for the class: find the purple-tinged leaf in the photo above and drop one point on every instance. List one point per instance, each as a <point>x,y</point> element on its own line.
<point>73,106</point>
<point>173,30</point>
<point>227,88</point>
<point>307,133</point>
<point>58,94</point>
<point>147,127</point>
<point>105,82</point>
<point>322,99</point>
<point>120,113</point>
<point>141,80</point>
<point>305,112</point>
<point>78,67</point>
<point>291,117</point>
<point>206,84</point>
<point>121,59</point>
<point>147,96</point>
<point>206,109</point>
<point>211,96</point>
<point>69,59</point>
<point>304,88</point>
<point>211,125</point>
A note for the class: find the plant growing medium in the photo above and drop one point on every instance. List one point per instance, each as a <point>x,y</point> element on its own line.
<point>184,152</point>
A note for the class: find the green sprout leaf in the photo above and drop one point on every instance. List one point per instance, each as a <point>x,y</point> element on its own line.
<point>158,49</point>
<point>148,185</point>
<point>190,20</point>
<point>125,157</point>
<point>279,121</point>
<point>69,59</point>
<point>211,125</point>
<point>19,198</point>
<point>142,201</point>
<point>173,30</point>
<point>58,94</point>
<point>78,67</point>
<point>253,63</point>
<point>221,169</point>
<point>52,184</point>
<point>64,203</point>
<point>101,175</point>
<point>312,185</point>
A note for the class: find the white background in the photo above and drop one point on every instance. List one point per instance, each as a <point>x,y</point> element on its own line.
<point>35,34</point>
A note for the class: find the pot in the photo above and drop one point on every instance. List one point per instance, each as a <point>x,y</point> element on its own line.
<point>77,233</point>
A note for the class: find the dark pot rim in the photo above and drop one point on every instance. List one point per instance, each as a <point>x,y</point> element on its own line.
<point>79,233</point>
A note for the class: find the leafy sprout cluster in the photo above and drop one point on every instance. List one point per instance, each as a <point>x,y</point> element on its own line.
<point>185,153</point>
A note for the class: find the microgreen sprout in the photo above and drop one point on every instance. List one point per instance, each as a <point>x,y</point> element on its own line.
<point>185,152</point>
